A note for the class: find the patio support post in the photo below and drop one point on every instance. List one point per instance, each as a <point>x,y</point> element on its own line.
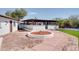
<point>46,25</point>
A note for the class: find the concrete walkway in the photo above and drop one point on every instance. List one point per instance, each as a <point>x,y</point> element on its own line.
<point>18,41</point>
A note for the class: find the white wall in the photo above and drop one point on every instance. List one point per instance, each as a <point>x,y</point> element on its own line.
<point>36,27</point>
<point>53,26</point>
<point>14,27</point>
<point>5,26</point>
<point>41,27</point>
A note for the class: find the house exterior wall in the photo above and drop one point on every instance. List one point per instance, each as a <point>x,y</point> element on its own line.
<point>5,26</point>
<point>40,27</point>
<point>53,26</point>
<point>14,26</point>
<point>36,27</point>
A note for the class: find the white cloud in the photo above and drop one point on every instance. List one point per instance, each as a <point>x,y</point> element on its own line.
<point>33,13</point>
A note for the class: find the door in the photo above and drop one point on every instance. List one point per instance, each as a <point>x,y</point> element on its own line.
<point>10,26</point>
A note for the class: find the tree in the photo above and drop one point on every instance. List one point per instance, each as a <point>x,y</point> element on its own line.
<point>8,13</point>
<point>74,17</point>
<point>62,23</point>
<point>71,22</point>
<point>75,21</point>
<point>17,14</point>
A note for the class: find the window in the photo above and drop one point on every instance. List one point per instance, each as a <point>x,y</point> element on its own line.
<point>14,23</point>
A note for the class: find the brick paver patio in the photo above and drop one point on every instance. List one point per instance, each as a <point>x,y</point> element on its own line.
<point>18,41</point>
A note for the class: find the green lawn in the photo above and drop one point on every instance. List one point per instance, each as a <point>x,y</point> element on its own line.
<point>71,32</point>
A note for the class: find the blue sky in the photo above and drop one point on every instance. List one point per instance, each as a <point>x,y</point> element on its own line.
<point>46,13</point>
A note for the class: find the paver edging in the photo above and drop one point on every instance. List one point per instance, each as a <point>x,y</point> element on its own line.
<point>73,41</point>
<point>1,40</point>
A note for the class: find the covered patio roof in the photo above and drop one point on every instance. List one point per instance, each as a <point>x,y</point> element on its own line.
<point>39,20</point>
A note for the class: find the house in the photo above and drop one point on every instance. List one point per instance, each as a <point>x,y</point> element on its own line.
<point>7,25</point>
<point>39,24</point>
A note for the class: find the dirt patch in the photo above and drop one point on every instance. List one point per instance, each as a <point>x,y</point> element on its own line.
<point>41,33</point>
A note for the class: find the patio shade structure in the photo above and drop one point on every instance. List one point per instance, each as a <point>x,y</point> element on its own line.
<point>40,22</point>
